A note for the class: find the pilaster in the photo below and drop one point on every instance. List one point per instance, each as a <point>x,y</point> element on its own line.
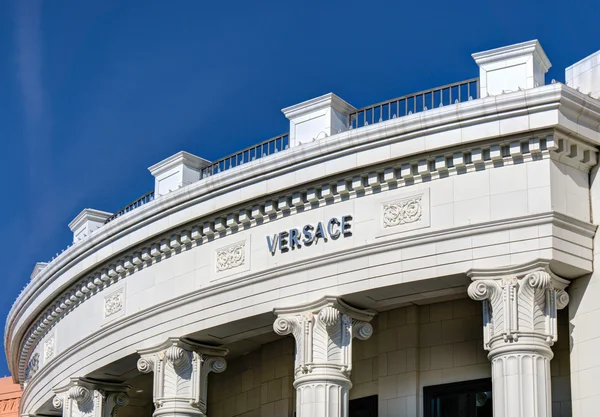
<point>323,332</point>
<point>85,397</point>
<point>519,316</point>
<point>181,369</point>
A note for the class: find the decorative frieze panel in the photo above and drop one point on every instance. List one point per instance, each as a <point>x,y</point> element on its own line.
<point>32,366</point>
<point>231,257</point>
<point>402,212</point>
<point>114,304</point>
<point>49,348</point>
<point>405,213</point>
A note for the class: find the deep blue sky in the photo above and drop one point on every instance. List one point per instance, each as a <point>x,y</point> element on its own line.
<point>92,93</point>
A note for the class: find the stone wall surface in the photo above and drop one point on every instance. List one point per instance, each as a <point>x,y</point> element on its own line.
<point>585,75</point>
<point>411,348</point>
<point>258,384</point>
<point>584,315</point>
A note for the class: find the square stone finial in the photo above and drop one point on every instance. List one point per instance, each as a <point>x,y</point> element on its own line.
<point>511,68</point>
<point>178,170</point>
<point>317,118</point>
<point>39,267</point>
<point>87,222</point>
<point>585,75</point>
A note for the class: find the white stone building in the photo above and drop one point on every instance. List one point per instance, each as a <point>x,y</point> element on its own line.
<point>432,255</point>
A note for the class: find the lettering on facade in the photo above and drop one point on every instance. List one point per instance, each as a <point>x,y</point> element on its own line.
<point>310,234</point>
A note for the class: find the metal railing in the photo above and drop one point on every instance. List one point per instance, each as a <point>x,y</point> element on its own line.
<point>146,198</point>
<point>268,147</point>
<point>391,109</point>
<point>415,103</point>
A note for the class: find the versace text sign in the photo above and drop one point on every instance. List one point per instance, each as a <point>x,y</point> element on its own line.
<point>310,234</point>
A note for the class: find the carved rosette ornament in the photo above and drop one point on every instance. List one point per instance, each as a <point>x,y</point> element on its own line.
<point>85,397</point>
<point>519,319</point>
<point>403,212</point>
<point>181,369</point>
<point>323,332</point>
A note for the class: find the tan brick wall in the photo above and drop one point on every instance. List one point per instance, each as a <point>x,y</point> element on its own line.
<point>258,384</point>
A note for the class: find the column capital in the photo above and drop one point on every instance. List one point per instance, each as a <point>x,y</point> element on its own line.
<point>181,367</point>
<point>328,301</point>
<point>323,331</point>
<point>89,397</point>
<point>520,305</point>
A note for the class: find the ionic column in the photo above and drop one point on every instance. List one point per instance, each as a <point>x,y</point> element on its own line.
<point>519,318</point>
<point>85,397</point>
<point>181,369</point>
<point>323,332</point>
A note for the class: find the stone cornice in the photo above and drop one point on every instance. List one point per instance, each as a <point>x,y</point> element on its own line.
<point>276,272</point>
<point>399,174</point>
<point>464,114</point>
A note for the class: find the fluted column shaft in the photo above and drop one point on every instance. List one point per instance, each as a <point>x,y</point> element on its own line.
<point>323,332</point>
<point>181,369</point>
<point>519,314</point>
<point>86,398</point>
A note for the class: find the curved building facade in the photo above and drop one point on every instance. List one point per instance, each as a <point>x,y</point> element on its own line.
<point>425,256</point>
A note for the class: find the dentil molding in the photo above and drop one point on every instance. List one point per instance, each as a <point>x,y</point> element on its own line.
<point>397,174</point>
